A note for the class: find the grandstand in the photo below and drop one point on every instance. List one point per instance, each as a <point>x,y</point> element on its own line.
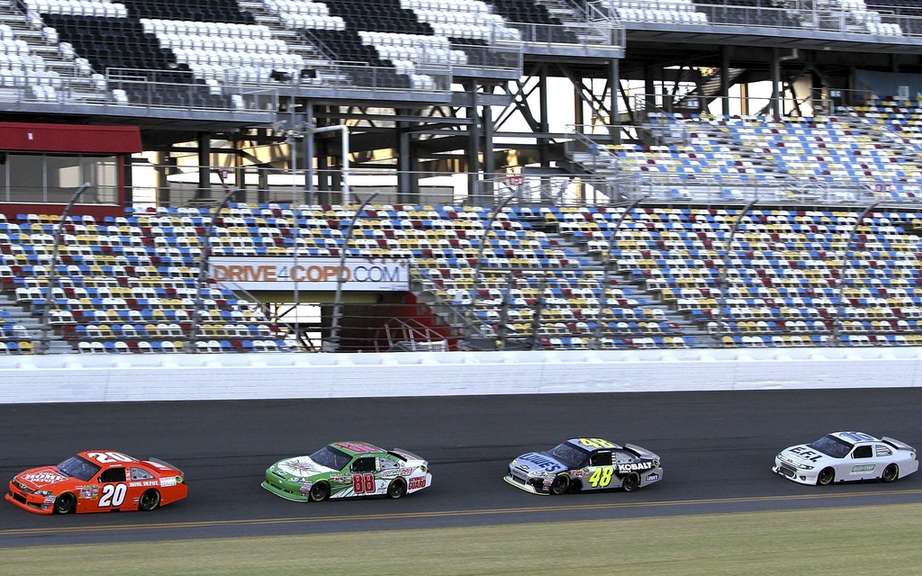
<point>524,174</point>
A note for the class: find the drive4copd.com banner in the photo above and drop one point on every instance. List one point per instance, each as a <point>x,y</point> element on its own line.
<point>262,274</point>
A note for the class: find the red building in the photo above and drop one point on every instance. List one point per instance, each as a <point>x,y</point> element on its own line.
<point>42,165</point>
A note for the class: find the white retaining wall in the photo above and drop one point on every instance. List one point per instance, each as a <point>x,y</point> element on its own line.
<point>111,378</point>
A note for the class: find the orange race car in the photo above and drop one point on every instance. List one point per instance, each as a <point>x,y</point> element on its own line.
<point>98,481</point>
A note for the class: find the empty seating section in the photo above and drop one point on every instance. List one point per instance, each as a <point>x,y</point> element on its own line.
<point>782,283</point>
<point>910,9</point>
<point>462,19</point>
<point>219,52</point>
<point>126,284</point>
<point>858,154</point>
<point>20,68</point>
<point>839,15</point>
<point>225,11</point>
<point>660,11</point>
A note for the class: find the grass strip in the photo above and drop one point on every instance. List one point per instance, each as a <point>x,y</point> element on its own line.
<point>854,541</point>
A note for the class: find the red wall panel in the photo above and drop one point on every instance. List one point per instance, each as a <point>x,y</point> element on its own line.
<point>71,138</point>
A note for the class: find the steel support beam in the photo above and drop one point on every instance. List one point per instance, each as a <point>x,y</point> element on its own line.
<point>776,84</point>
<point>203,139</point>
<point>473,152</point>
<point>614,82</point>
<point>725,80</point>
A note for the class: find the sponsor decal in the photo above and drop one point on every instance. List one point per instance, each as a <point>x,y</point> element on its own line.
<point>146,483</point>
<point>806,453</point>
<point>168,481</point>
<point>89,492</point>
<point>634,467</point>
<point>417,483</point>
<point>306,488</point>
<point>262,273</point>
<point>361,447</point>
<point>652,477</point>
<point>406,471</point>
<point>45,477</point>
<point>543,462</point>
<point>863,468</point>
<point>300,467</point>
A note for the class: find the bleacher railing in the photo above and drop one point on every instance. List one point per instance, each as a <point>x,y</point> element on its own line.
<point>833,19</point>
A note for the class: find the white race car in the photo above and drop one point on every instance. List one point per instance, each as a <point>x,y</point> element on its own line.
<point>847,457</point>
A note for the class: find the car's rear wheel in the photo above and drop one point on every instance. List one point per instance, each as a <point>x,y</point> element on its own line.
<point>825,477</point>
<point>560,485</point>
<point>891,473</point>
<point>397,489</point>
<point>319,492</point>
<point>65,504</point>
<point>630,483</point>
<point>149,501</point>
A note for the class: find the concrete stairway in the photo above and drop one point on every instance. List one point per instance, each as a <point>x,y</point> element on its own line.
<point>74,72</point>
<point>29,327</point>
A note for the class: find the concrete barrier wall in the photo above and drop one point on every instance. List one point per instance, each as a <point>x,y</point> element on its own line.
<point>117,378</point>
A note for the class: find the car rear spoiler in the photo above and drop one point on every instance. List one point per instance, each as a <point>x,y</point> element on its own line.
<point>405,454</point>
<point>162,463</point>
<point>897,444</point>
<point>640,451</point>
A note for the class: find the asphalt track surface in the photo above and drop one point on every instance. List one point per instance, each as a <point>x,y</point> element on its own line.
<point>716,449</point>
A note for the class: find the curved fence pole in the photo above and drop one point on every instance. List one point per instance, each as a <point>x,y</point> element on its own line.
<point>722,280</point>
<point>338,299</point>
<point>53,270</point>
<point>843,270</point>
<point>203,261</point>
<point>606,272</point>
<point>478,270</point>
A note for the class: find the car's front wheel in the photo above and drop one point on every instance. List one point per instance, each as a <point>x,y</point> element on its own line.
<point>560,485</point>
<point>397,489</point>
<point>319,492</point>
<point>825,477</point>
<point>891,473</point>
<point>149,501</point>
<point>65,504</point>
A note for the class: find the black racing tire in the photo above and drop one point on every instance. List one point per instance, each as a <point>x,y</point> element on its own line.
<point>149,501</point>
<point>630,483</point>
<point>65,504</point>
<point>560,485</point>
<point>397,489</point>
<point>826,477</point>
<point>891,473</point>
<point>319,492</point>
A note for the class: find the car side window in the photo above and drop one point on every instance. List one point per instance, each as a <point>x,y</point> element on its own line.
<point>140,474</point>
<point>600,459</point>
<point>862,452</point>
<point>115,474</point>
<point>881,450</point>
<point>366,464</point>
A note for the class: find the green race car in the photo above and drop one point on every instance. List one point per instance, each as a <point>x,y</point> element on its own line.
<point>346,469</point>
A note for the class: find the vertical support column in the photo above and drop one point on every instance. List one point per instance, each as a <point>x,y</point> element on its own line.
<point>240,176</point>
<point>614,104</point>
<point>262,195</point>
<point>776,84</point>
<point>163,184</point>
<point>404,160</point>
<point>473,151</point>
<point>127,183</point>
<point>203,140</point>
<point>489,162</point>
<point>725,80</point>
<point>649,88</point>
<point>309,153</point>
<point>543,155</point>
<point>578,105</point>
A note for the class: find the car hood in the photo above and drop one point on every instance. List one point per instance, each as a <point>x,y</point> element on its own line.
<point>803,454</point>
<point>299,468</point>
<point>40,478</point>
<point>538,463</point>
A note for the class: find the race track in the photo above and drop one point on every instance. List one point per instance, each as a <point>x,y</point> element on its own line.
<point>716,448</point>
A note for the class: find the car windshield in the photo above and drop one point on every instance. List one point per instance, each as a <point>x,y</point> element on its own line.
<point>832,446</point>
<point>331,458</point>
<point>77,467</point>
<point>569,455</point>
